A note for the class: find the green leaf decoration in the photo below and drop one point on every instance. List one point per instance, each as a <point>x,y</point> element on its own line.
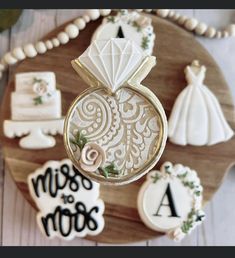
<point>145,43</point>
<point>183,175</point>
<point>137,26</point>
<point>109,170</point>
<point>79,140</point>
<point>155,178</point>
<point>189,184</point>
<point>38,101</point>
<point>111,19</point>
<point>187,225</point>
<point>8,17</point>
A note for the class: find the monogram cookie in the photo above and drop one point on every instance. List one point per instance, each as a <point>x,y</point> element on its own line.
<point>130,25</point>
<point>170,200</point>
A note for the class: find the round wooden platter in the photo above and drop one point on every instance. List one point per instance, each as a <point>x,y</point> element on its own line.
<point>174,48</point>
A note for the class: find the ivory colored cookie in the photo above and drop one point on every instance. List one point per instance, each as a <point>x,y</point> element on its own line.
<point>130,25</point>
<point>68,203</point>
<point>116,130</point>
<point>197,118</point>
<point>35,110</point>
<point>170,200</point>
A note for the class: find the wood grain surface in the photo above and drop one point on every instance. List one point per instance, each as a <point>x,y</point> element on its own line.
<point>174,49</point>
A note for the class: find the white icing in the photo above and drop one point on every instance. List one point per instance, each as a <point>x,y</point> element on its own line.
<point>186,192</point>
<point>36,132</point>
<point>196,117</point>
<point>23,107</point>
<point>35,110</point>
<point>78,188</point>
<point>128,21</point>
<point>24,81</point>
<point>126,126</point>
<point>113,61</point>
<point>152,198</point>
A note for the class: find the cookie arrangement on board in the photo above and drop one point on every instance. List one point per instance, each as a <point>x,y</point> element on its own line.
<point>114,132</point>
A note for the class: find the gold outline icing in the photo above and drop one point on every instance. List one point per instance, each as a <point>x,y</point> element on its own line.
<point>133,84</point>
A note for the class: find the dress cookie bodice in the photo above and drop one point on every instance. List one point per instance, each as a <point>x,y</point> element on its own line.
<point>195,74</point>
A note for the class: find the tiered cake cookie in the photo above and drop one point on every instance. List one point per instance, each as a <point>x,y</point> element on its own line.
<point>130,25</point>
<point>35,110</point>
<point>35,97</point>
<point>170,200</point>
<point>116,130</point>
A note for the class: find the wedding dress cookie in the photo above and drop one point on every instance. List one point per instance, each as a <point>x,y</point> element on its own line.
<point>170,200</point>
<point>68,203</point>
<point>196,117</point>
<point>35,110</point>
<point>130,25</point>
<point>116,130</point>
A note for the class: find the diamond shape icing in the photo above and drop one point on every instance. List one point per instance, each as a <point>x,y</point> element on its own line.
<point>112,62</point>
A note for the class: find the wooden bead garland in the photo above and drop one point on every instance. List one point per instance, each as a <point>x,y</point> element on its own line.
<point>72,31</point>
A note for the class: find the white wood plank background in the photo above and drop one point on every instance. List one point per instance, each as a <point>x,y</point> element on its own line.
<point>17,218</point>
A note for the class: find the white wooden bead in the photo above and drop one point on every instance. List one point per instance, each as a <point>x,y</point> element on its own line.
<point>55,42</point>
<point>94,14</point>
<point>86,18</point>
<point>225,34</point>
<point>148,10</point>
<point>63,37</point>
<point>175,17</point>
<point>139,10</point>
<point>80,23</point>
<point>49,44</point>
<point>218,34</point>
<point>171,13</point>
<point>30,50</point>
<point>231,30</point>
<point>210,32</point>
<point>40,47</point>
<point>105,12</point>
<point>163,12</point>
<point>201,28</point>
<point>9,59</point>
<point>72,30</point>
<point>182,19</point>
<point>191,24</point>
<point>18,53</point>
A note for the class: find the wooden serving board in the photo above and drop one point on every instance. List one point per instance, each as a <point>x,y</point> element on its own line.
<point>174,48</point>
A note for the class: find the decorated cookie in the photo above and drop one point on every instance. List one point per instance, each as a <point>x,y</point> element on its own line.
<point>170,200</point>
<point>116,130</point>
<point>68,203</point>
<point>35,110</point>
<point>196,117</point>
<point>130,25</point>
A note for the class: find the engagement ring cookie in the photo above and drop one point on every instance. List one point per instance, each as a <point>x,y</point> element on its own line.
<point>68,203</point>
<point>130,25</point>
<point>116,130</point>
<point>170,200</point>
